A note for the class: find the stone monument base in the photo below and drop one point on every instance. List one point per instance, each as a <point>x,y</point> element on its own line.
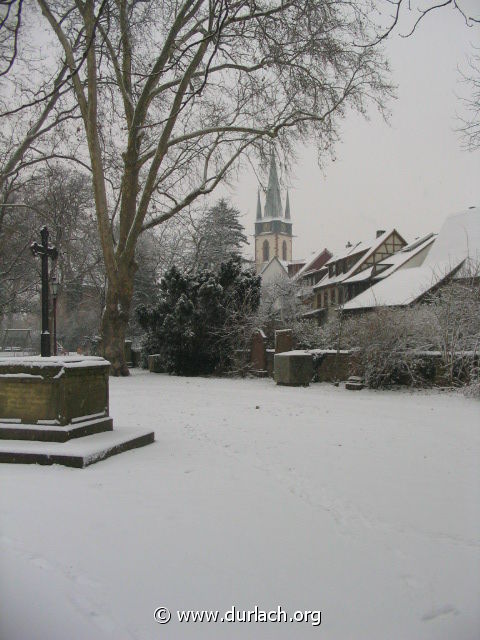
<point>78,452</point>
<point>293,368</point>
<point>56,411</point>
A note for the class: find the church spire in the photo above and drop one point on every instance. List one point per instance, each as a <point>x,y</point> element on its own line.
<point>287,208</point>
<point>259,206</point>
<point>273,203</point>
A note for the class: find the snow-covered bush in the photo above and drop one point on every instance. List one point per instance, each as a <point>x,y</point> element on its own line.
<point>456,312</point>
<point>307,334</point>
<point>403,345</point>
<point>199,321</point>
<point>388,344</point>
<point>472,390</point>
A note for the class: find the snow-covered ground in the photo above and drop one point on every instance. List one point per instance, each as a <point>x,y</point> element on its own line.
<point>364,506</point>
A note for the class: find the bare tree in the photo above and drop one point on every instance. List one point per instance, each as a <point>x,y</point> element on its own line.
<point>469,128</point>
<point>35,111</point>
<point>404,16</point>
<point>62,199</point>
<point>170,97</point>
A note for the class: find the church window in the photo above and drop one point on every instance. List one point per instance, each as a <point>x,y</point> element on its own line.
<point>266,251</point>
<point>284,250</point>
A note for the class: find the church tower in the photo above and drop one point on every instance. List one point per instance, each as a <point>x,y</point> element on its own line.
<point>273,229</point>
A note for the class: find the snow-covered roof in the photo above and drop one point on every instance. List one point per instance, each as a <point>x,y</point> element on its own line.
<point>269,265</point>
<point>309,262</point>
<point>459,239</point>
<point>357,247</point>
<point>360,276</point>
<point>369,247</point>
<point>405,255</point>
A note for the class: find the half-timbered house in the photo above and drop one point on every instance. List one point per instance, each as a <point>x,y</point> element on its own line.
<point>351,271</point>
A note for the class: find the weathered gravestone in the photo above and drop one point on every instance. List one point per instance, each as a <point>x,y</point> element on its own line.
<point>258,353</point>
<point>128,353</point>
<point>283,340</point>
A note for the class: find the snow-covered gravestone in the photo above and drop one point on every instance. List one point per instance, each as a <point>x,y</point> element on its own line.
<point>56,410</point>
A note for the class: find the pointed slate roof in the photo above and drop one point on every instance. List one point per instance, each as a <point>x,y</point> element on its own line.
<point>287,208</point>
<point>259,206</point>
<point>273,203</point>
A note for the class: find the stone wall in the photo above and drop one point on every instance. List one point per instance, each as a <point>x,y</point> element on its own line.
<point>332,366</point>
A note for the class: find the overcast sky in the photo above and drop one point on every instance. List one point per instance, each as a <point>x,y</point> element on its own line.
<point>409,174</point>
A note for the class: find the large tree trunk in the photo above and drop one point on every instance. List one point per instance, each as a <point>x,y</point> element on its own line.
<point>115,318</point>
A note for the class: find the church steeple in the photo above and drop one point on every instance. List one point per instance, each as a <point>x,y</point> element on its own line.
<point>273,229</point>
<point>287,208</point>
<point>259,206</point>
<point>273,203</point>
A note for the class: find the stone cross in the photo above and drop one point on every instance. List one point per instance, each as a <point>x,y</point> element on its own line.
<point>45,252</point>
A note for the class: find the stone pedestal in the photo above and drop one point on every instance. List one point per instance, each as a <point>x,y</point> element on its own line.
<point>293,368</point>
<point>55,400</point>
<point>53,391</point>
<point>155,363</point>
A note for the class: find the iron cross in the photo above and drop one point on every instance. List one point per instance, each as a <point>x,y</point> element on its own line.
<point>45,252</point>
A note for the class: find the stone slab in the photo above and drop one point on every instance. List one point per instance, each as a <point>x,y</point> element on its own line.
<point>54,433</point>
<point>78,453</point>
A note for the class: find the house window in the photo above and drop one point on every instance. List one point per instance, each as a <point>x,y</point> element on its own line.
<point>332,295</point>
<point>266,251</point>
<point>284,250</point>
<point>325,298</point>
